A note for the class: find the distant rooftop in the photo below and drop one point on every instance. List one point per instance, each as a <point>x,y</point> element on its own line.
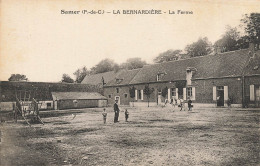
<point>96,79</point>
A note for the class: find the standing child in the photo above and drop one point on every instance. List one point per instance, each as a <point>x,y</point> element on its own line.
<point>104,113</point>
<point>189,105</point>
<point>165,102</point>
<point>174,102</point>
<point>182,104</point>
<point>126,115</point>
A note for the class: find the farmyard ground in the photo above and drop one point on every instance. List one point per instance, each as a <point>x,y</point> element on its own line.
<point>153,136</point>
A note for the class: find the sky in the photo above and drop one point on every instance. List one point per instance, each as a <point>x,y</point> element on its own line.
<point>38,41</point>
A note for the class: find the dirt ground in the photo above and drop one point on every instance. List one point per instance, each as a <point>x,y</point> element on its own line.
<point>153,136</point>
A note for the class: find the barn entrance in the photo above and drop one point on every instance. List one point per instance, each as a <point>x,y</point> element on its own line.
<point>220,95</point>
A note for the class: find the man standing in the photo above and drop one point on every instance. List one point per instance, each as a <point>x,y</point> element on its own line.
<point>116,109</point>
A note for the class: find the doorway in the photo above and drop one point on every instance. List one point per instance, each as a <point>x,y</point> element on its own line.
<point>118,99</point>
<point>159,99</point>
<point>55,104</point>
<point>257,96</point>
<point>75,103</point>
<point>220,96</point>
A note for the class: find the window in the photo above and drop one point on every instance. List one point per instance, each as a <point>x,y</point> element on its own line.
<point>48,104</point>
<point>159,76</point>
<point>125,95</point>
<point>189,92</point>
<point>173,91</point>
<point>118,81</point>
<point>117,90</point>
<point>109,96</point>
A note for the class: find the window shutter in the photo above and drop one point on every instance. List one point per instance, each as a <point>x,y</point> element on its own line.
<point>193,93</point>
<point>177,95</point>
<point>169,94</point>
<point>184,93</point>
<point>225,93</point>
<point>136,94</point>
<point>252,93</point>
<point>142,94</point>
<point>214,93</point>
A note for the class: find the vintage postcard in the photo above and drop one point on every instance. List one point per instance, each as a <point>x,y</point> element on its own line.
<point>129,82</point>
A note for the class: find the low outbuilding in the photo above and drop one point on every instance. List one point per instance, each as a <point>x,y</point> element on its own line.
<point>72,100</point>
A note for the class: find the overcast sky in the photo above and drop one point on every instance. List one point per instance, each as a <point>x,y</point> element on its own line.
<point>40,42</point>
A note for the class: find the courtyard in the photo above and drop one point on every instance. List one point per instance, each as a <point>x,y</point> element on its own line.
<point>152,136</point>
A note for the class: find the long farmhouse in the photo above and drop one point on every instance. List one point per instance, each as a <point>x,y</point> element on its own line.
<point>209,81</point>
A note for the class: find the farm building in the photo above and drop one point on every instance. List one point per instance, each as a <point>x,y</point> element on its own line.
<point>69,100</point>
<point>41,91</point>
<point>209,81</point>
<point>100,79</point>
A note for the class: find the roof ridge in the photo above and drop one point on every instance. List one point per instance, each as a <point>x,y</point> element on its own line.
<point>203,56</point>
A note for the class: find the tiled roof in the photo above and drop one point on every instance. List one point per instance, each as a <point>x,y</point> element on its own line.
<point>76,95</point>
<point>222,65</point>
<point>123,78</point>
<point>229,64</point>
<point>253,65</point>
<point>210,66</point>
<point>173,71</point>
<point>97,78</point>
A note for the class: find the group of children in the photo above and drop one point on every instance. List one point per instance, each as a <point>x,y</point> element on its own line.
<point>104,113</point>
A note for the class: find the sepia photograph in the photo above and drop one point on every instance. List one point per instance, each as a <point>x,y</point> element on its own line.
<point>129,83</point>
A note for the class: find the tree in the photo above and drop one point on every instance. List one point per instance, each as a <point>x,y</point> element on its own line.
<point>116,67</point>
<point>104,66</point>
<point>133,63</point>
<point>229,40</point>
<point>81,74</point>
<point>17,77</point>
<point>132,93</point>
<point>67,79</point>
<point>251,25</point>
<point>148,91</point>
<point>242,42</point>
<point>169,55</point>
<point>200,48</point>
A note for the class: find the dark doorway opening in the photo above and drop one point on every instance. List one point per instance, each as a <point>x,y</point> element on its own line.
<point>257,95</point>
<point>220,95</point>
